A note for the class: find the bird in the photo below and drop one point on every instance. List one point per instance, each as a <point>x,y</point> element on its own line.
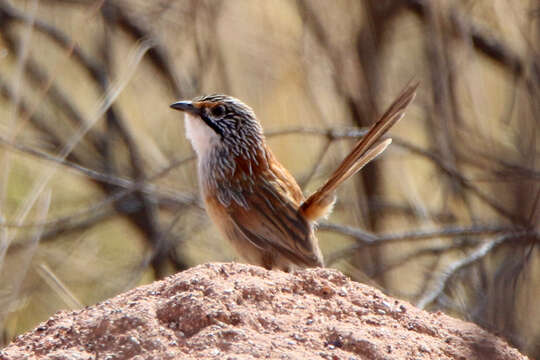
<point>254,201</point>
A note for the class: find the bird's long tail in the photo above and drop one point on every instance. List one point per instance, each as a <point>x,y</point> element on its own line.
<point>320,203</point>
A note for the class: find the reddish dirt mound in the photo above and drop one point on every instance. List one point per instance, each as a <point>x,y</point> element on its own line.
<point>234,311</point>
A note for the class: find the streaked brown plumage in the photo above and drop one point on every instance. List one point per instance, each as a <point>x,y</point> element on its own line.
<point>254,201</point>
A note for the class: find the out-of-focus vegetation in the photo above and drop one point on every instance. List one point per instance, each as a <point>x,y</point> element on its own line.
<point>98,188</point>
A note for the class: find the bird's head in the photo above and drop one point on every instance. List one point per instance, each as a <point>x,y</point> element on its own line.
<point>220,120</point>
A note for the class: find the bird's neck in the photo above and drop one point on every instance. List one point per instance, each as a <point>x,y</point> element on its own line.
<point>226,171</point>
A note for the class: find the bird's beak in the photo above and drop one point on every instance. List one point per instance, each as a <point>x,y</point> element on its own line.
<point>186,106</point>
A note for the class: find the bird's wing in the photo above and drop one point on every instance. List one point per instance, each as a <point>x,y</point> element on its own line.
<point>271,220</point>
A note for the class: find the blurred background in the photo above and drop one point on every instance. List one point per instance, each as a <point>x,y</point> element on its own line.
<point>98,185</point>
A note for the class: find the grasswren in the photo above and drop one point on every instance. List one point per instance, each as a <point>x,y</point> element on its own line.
<point>254,201</point>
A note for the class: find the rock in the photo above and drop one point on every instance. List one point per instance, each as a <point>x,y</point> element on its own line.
<point>226,311</point>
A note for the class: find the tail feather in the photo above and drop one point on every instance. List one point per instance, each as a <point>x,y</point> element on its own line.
<point>320,203</point>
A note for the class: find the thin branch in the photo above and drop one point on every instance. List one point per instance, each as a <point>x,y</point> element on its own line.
<point>19,276</point>
<point>317,164</point>
<point>157,55</point>
<point>474,256</point>
<point>435,159</point>
<point>484,43</point>
<point>58,286</point>
<point>364,238</point>
<point>97,73</point>
<point>436,251</point>
<point>128,186</point>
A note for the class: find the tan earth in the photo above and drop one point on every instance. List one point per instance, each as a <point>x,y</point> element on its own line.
<point>235,311</point>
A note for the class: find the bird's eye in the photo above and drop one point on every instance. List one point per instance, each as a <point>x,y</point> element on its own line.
<point>218,111</point>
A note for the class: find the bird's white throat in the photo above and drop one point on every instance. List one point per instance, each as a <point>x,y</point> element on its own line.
<point>202,137</point>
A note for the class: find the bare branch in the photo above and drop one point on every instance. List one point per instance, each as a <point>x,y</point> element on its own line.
<point>474,256</point>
